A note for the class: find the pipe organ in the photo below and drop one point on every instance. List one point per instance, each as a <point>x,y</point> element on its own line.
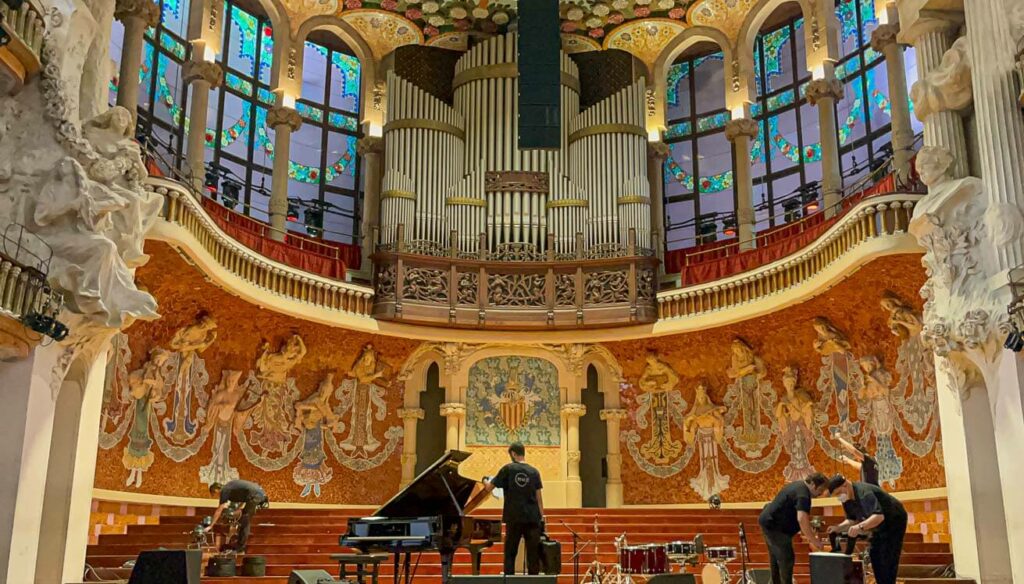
<point>453,166</point>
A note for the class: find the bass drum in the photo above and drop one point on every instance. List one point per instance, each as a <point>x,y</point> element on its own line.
<point>714,574</point>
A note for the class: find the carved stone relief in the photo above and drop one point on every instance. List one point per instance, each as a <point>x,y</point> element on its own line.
<point>946,87</point>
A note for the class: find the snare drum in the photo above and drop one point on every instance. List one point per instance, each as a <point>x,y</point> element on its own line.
<point>720,553</point>
<point>631,559</point>
<point>681,548</point>
<point>655,559</point>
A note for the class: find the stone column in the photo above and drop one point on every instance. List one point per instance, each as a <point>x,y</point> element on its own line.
<point>740,132</point>
<point>453,413</point>
<point>372,151</point>
<point>136,16</point>
<point>657,152</point>
<point>410,417</point>
<point>284,121</point>
<point>823,94</point>
<point>27,422</point>
<point>883,40</point>
<point>613,486</point>
<point>574,487</point>
<point>203,76</point>
<point>943,126</point>
<point>998,119</point>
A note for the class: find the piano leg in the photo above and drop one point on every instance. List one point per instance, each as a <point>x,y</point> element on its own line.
<point>408,572</point>
<point>447,559</point>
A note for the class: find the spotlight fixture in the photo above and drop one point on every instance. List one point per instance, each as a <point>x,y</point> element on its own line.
<point>1014,340</point>
<point>314,219</point>
<point>210,182</point>
<point>293,210</point>
<point>715,502</point>
<point>729,227</point>
<point>791,209</point>
<point>707,228</point>
<point>44,321</point>
<point>232,193</point>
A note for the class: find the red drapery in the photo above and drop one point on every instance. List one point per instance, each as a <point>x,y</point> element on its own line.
<point>328,259</point>
<point>722,259</point>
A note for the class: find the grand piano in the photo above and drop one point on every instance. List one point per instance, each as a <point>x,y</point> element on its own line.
<point>427,515</point>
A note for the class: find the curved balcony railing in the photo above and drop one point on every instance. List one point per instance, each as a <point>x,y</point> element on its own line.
<point>181,208</point>
<point>873,218</point>
<point>534,291</point>
<point>21,41</point>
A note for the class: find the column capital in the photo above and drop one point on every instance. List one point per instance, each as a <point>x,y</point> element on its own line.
<point>207,71</point>
<point>658,150</point>
<point>819,89</point>
<point>928,22</point>
<point>145,10</point>
<point>741,127</point>
<point>573,410</point>
<point>370,145</point>
<point>284,116</point>
<point>884,36</point>
<point>410,413</point>
<point>454,410</point>
<point>614,414</point>
<point>573,456</point>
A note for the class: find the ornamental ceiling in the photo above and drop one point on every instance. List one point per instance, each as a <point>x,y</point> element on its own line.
<point>641,27</point>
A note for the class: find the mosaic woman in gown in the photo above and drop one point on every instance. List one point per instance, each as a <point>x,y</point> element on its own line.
<point>145,386</point>
<point>313,417</point>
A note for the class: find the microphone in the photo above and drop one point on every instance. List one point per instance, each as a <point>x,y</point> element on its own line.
<point>743,534</point>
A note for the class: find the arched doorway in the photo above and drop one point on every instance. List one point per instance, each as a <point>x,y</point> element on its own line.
<point>430,432</point>
<point>593,443</point>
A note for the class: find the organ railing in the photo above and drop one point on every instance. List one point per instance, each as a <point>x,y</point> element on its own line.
<point>877,217</point>
<point>182,209</point>
<point>21,42</point>
<point>514,287</point>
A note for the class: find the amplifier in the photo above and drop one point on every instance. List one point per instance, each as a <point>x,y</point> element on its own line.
<point>167,567</point>
<point>311,577</point>
<point>829,568</point>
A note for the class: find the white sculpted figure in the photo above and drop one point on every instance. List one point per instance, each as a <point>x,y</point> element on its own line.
<point>946,87</point>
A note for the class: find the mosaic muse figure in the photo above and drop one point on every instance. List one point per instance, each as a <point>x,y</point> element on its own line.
<point>795,414</point>
<point>313,417</point>
<point>704,426</point>
<point>146,387</point>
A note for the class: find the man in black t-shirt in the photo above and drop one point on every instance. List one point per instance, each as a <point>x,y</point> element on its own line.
<point>869,508</point>
<point>787,515</point>
<point>242,492</point>
<point>523,512</point>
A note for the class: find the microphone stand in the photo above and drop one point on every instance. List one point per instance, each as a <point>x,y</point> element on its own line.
<point>744,555</point>
<point>575,553</point>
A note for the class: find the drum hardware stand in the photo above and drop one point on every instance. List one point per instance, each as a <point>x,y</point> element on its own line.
<point>744,557</point>
<point>575,551</point>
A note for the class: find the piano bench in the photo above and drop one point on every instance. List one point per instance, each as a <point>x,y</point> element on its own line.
<point>364,565</point>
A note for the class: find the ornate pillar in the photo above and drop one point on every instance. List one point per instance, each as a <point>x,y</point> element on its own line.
<point>574,487</point>
<point>203,76</point>
<point>740,132</point>
<point>656,154</point>
<point>284,121</point>
<point>136,16</point>
<point>372,150</point>
<point>823,94</point>
<point>453,413</point>
<point>410,417</point>
<point>943,125</point>
<point>613,486</point>
<point>883,40</point>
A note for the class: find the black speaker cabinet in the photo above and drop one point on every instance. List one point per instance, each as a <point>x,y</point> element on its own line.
<point>167,567</point>
<point>502,579</point>
<point>761,575</point>
<point>310,577</point>
<point>540,77</point>
<point>829,568</point>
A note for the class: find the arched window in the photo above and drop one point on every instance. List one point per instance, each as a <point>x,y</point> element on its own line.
<point>162,92</point>
<point>786,155</point>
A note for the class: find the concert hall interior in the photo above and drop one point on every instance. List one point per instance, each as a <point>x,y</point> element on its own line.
<point>284,284</point>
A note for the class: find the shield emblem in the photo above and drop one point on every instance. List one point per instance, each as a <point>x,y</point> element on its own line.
<point>513,409</point>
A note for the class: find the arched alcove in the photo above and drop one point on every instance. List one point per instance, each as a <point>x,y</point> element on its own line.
<point>430,431</point>
<point>593,442</point>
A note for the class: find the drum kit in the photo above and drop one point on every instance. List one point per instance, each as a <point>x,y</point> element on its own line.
<point>637,563</point>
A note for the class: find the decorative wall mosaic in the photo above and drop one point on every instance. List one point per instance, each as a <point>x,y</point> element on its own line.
<point>741,409</point>
<point>513,398</point>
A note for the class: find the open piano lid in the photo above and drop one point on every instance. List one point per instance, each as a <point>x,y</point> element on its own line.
<point>439,490</point>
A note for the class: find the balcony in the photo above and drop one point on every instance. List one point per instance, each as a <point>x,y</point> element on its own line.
<point>21,43</point>
<point>515,287</point>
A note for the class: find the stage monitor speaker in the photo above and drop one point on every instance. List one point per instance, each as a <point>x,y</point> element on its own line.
<point>501,579</point>
<point>672,579</point>
<point>167,567</point>
<point>761,576</point>
<point>829,568</point>
<point>310,577</point>
<point>540,77</point>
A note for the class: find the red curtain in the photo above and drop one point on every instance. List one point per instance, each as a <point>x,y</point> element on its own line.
<point>722,259</point>
<point>312,255</point>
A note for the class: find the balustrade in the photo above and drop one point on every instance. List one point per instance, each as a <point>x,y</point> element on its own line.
<point>20,57</point>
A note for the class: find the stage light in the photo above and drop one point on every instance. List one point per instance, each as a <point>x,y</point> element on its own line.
<point>729,227</point>
<point>232,193</point>
<point>707,228</point>
<point>715,502</point>
<point>293,211</point>
<point>210,182</point>
<point>314,220</point>
<point>791,209</point>
<point>1014,341</point>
